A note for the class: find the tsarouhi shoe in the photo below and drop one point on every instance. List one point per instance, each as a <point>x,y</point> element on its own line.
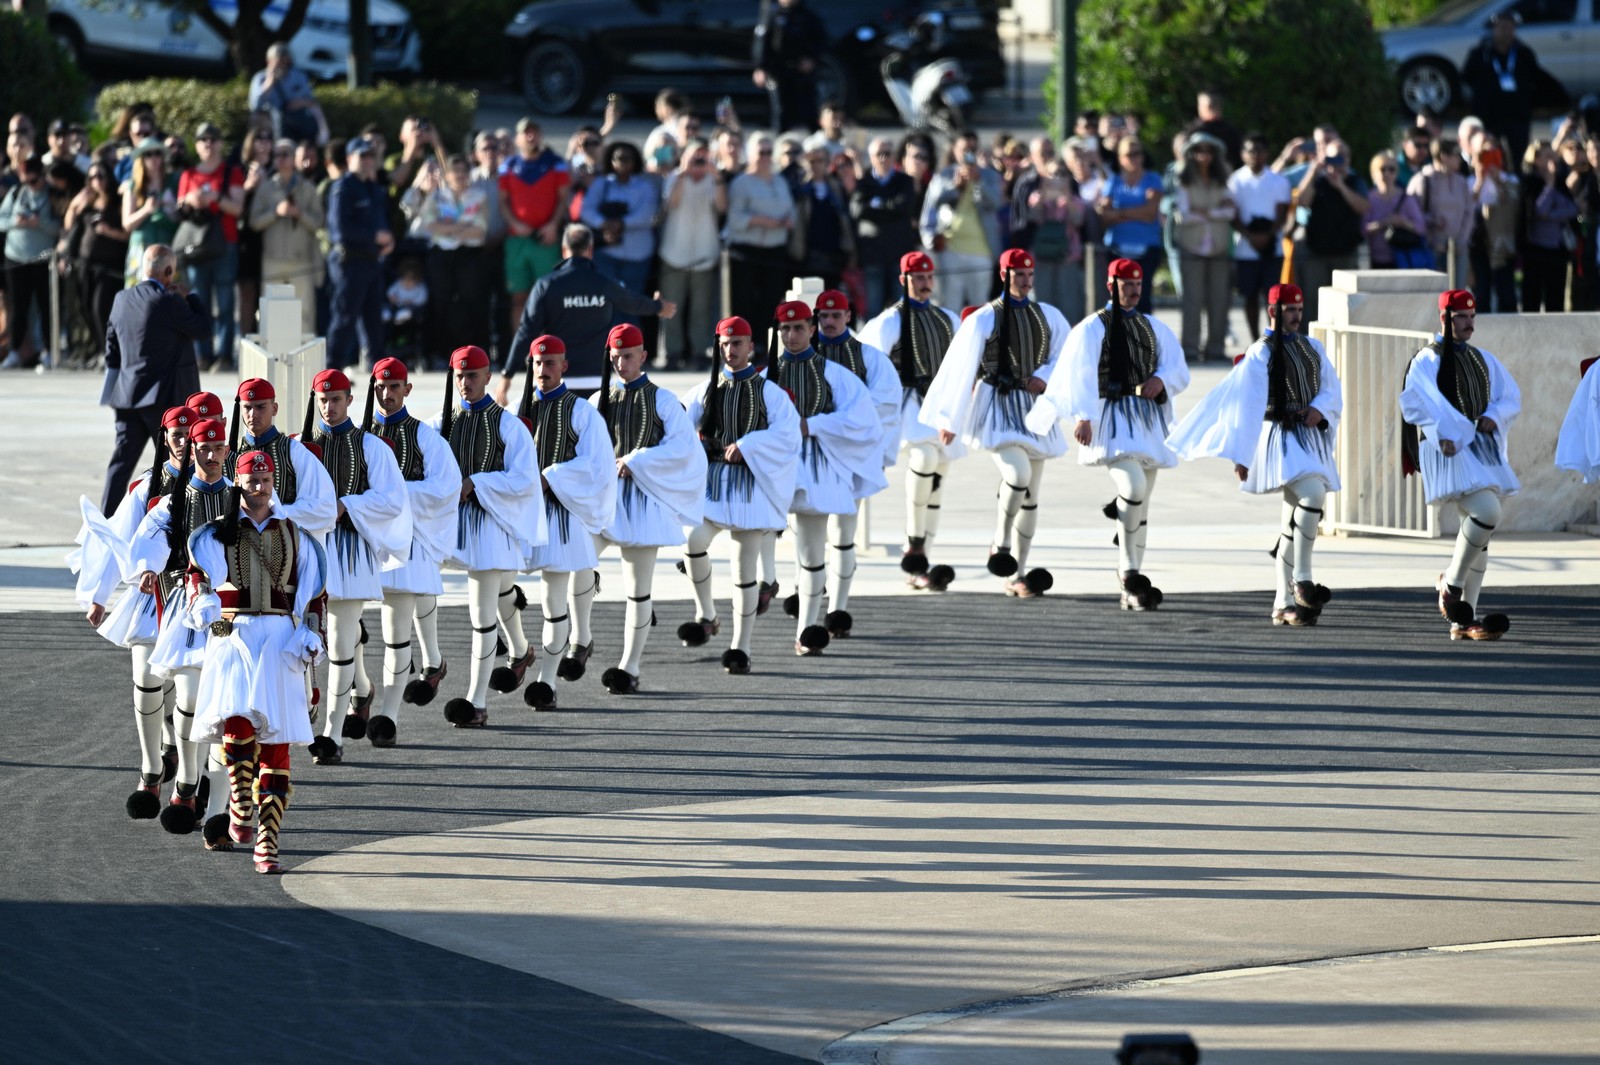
<point>381,731</point>
<point>540,696</point>
<point>509,678</point>
<point>735,662</point>
<point>619,681</point>
<point>325,752</point>
<point>698,633</point>
<point>420,692</point>
<point>576,663</point>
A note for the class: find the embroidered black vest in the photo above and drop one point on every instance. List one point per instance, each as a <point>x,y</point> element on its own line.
<point>476,441</point>
<point>633,419</point>
<point>846,353</point>
<point>344,456</point>
<point>1009,366</point>
<point>1301,378</point>
<point>925,335</point>
<point>1468,392</point>
<point>261,569</point>
<point>736,409</point>
<point>1140,341</point>
<point>555,438</point>
<point>807,382</point>
<point>402,436</point>
<point>283,478</point>
<point>199,508</point>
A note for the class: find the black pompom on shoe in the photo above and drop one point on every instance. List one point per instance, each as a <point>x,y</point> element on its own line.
<point>619,681</point>
<point>143,805</point>
<point>420,692</point>
<point>179,817</point>
<point>694,633</point>
<point>940,577</point>
<point>355,728</point>
<point>1039,581</point>
<point>913,562</point>
<point>813,638</point>
<point>838,623</point>
<point>735,662</point>
<point>503,679</point>
<point>458,711</point>
<point>381,731</point>
<point>215,833</point>
<point>1496,625</point>
<point>325,752</point>
<point>1135,583</point>
<point>791,604</point>
<point>576,664</point>
<point>1002,563</point>
<point>540,696</point>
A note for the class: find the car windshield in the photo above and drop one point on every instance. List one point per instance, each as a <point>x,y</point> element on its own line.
<point>1455,11</point>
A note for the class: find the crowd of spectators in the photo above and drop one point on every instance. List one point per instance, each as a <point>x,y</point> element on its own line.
<point>422,250</point>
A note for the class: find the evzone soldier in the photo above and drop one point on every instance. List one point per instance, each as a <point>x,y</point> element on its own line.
<point>841,462</point>
<point>371,534</point>
<point>578,477</point>
<point>872,368</point>
<point>410,592</point>
<point>660,471</point>
<point>304,489</point>
<point>1121,370</point>
<point>1274,417</point>
<point>1458,404</point>
<point>102,564</point>
<point>159,554</point>
<point>917,353</point>
<point>254,581</point>
<point>750,433</point>
<point>1578,445</point>
<point>1000,360</point>
<point>499,520</point>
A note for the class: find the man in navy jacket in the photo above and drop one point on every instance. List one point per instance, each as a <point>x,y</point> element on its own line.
<point>358,231</point>
<point>150,363</point>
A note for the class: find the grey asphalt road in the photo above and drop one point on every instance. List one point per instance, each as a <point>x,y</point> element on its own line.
<point>121,943</point>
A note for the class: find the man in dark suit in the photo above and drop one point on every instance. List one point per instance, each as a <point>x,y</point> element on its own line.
<point>150,363</point>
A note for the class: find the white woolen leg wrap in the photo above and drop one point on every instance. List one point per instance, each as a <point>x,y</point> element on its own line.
<point>841,558</point>
<point>697,561</point>
<point>931,519</point>
<point>585,583</point>
<point>1474,586</point>
<point>483,599</point>
<point>638,576</point>
<point>1132,487</point>
<point>217,794</point>
<point>186,685</point>
<point>922,469</point>
<point>1480,513</point>
<point>1142,533</point>
<point>810,553</point>
<point>428,631</point>
<point>1309,493</point>
<point>769,557</point>
<point>363,682</point>
<point>148,703</point>
<point>557,623</point>
<point>344,630</point>
<point>1028,515</point>
<point>1285,557</point>
<point>395,620</point>
<point>1015,470</point>
<point>510,617</point>
<point>746,571</point>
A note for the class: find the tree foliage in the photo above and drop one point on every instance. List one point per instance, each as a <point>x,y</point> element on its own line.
<point>1282,65</point>
<point>248,36</point>
<point>1386,13</point>
<point>40,79</point>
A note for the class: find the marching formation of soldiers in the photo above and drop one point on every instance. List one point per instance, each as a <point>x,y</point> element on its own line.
<point>246,556</point>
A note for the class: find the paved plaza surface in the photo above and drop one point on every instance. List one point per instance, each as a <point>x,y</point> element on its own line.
<point>981,830</point>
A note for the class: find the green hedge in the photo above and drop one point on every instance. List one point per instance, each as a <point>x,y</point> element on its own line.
<point>182,104</point>
<point>39,80</point>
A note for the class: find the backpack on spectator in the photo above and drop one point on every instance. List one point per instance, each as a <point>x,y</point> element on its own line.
<point>199,238</point>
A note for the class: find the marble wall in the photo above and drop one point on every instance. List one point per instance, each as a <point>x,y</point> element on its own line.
<point>1542,351</point>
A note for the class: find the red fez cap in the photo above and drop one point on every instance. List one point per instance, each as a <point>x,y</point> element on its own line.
<point>330,381</point>
<point>207,404</point>
<point>179,418</point>
<point>1016,259</point>
<point>256,388</point>
<point>791,311</point>
<point>1126,270</point>
<point>833,300</point>
<point>470,357</point>
<point>916,262</point>
<point>966,312</point>
<point>547,345</point>
<point>208,431</point>
<point>733,327</point>
<point>1457,299</point>
<point>1286,295</point>
<point>390,369</point>
<point>253,462</point>
<point>625,335</point>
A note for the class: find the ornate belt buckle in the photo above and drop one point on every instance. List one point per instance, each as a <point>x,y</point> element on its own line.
<point>222,627</point>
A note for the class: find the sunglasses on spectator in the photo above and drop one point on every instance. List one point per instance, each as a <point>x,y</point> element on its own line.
<point>591,142</point>
<point>699,160</point>
<point>206,140</point>
<point>1389,170</point>
<point>764,151</point>
<point>883,155</point>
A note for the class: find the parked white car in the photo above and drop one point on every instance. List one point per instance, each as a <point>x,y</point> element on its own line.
<point>1564,34</point>
<point>164,36</point>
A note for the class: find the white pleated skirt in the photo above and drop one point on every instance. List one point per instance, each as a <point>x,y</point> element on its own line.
<point>640,521</point>
<point>1130,427</point>
<point>131,621</point>
<point>483,543</point>
<point>735,501</point>
<point>1481,464</point>
<point>251,673</point>
<point>821,485</point>
<point>1286,455</point>
<point>569,547</point>
<point>998,421</point>
<point>177,645</point>
<point>352,566</point>
<point>419,576</point>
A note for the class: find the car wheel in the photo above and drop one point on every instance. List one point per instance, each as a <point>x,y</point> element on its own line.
<point>1427,84</point>
<point>834,83</point>
<point>555,79</point>
<point>69,37</point>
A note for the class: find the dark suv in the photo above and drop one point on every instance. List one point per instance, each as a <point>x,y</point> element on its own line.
<point>566,51</point>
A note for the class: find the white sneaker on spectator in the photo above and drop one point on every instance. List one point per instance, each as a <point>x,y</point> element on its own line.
<point>13,361</point>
